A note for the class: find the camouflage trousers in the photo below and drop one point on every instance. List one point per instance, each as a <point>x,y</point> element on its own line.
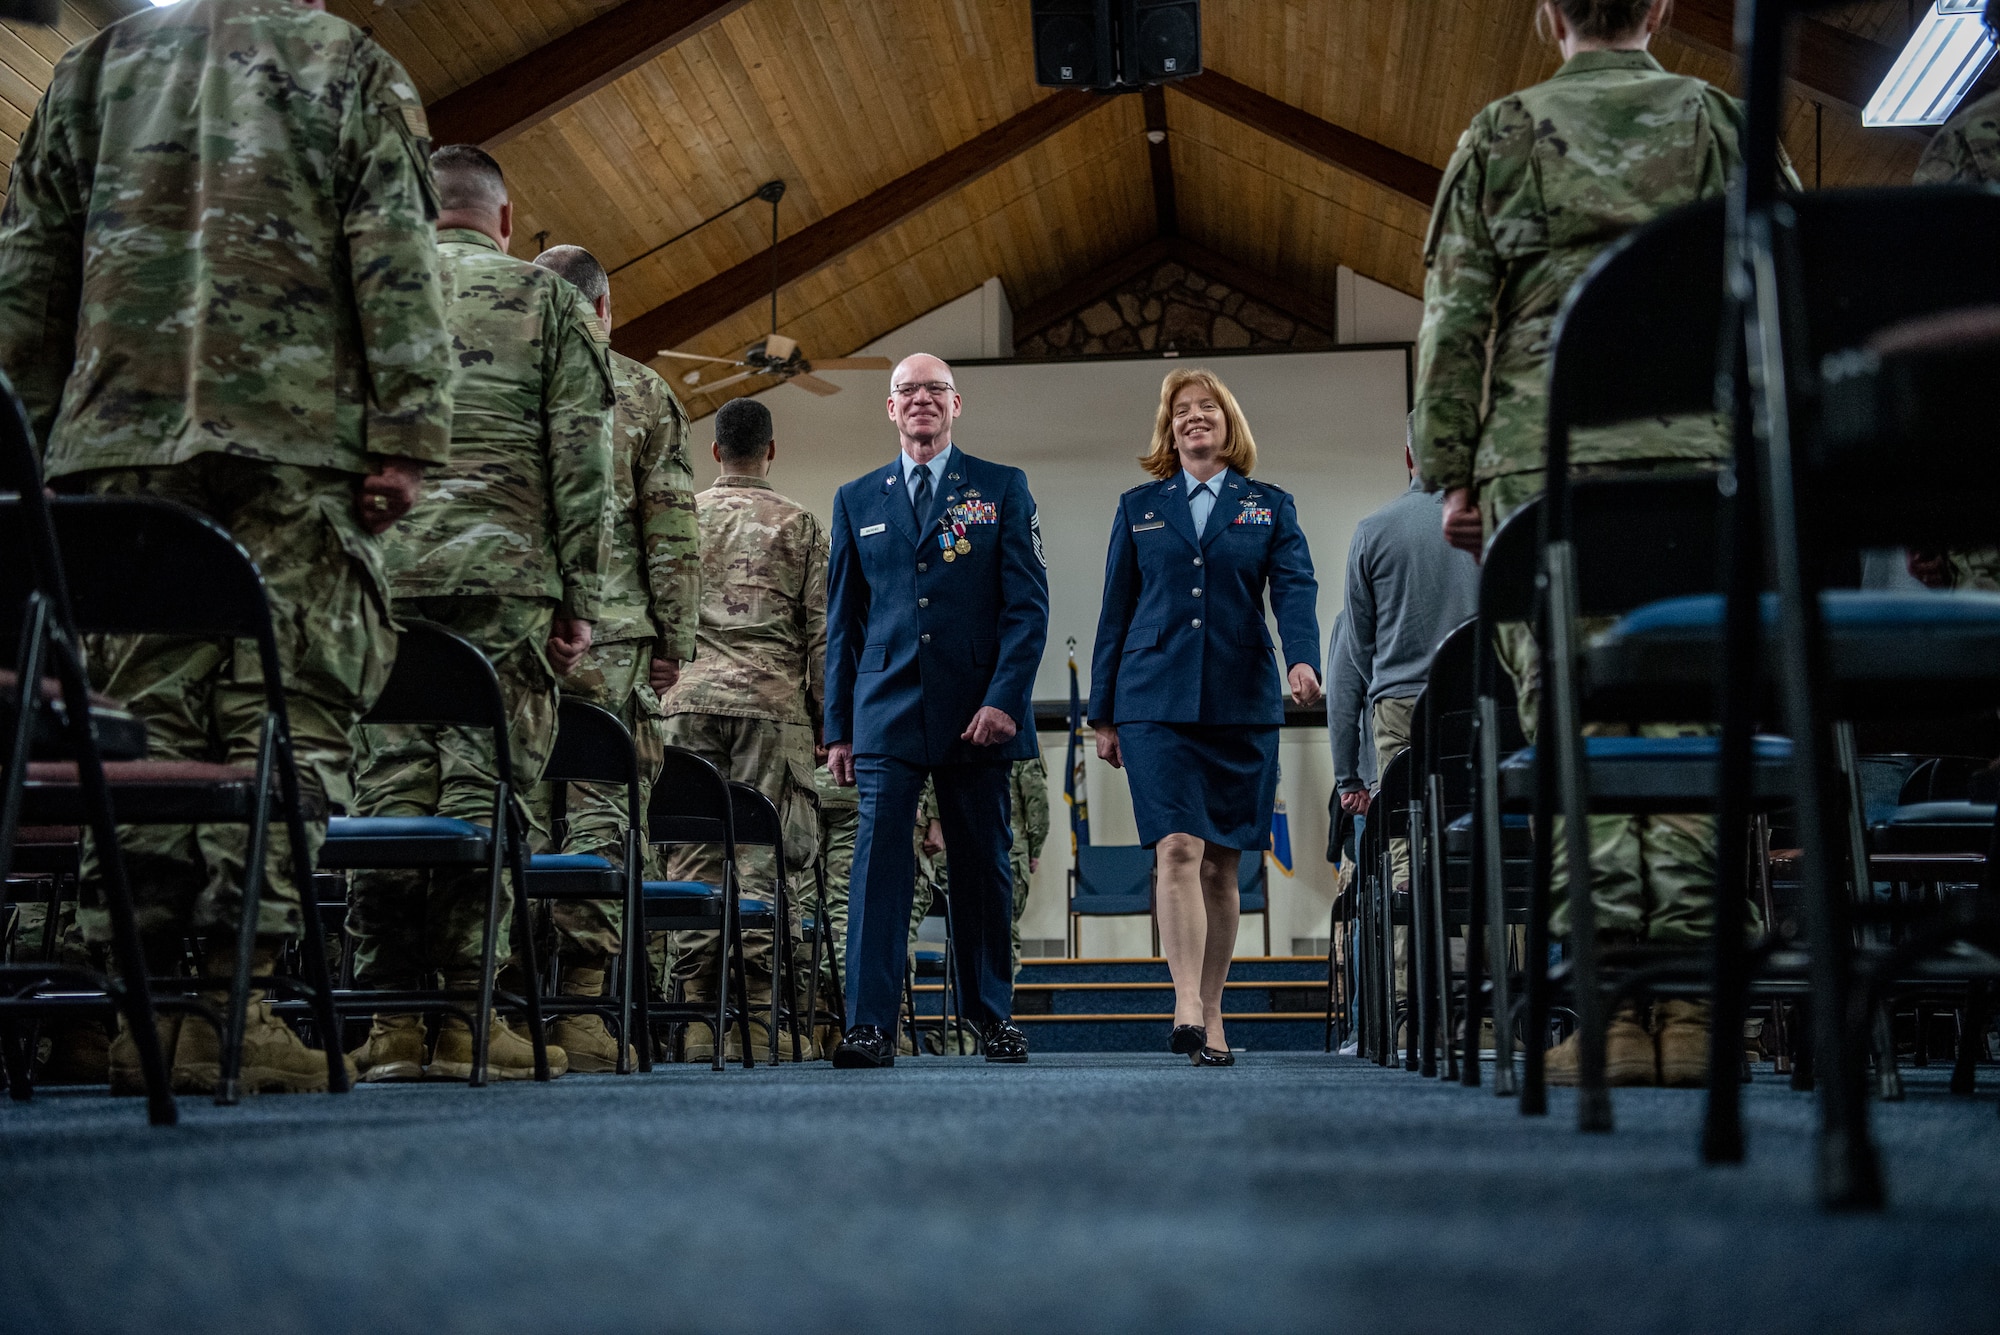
<point>777,760</point>
<point>589,931</point>
<point>1652,878</point>
<point>839,824</point>
<point>204,699</point>
<point>1390,722</point>
<point>406,925</point>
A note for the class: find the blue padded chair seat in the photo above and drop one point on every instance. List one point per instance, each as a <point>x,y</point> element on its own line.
<point>1935,827</point>
<point>574,875</point>
<point>1110,905</point>
<point>402,841</point>
<point>700,900</point>
<point>1656,774</point>
<point>1944,647</point>
<point>1515,841</point>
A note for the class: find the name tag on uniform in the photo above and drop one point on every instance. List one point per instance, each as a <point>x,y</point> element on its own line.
<point>873,529</point>
<point>1148,528</point>
<point>1250,515</point>
<point>976,512</point>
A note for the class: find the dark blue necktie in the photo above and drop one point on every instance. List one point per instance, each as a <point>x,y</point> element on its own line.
<point>920,491</point>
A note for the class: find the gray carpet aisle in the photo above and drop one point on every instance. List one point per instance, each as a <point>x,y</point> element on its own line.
<point>1113,1193</point>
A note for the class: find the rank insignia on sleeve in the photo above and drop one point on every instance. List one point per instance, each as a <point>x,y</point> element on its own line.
<point>1035,532</point>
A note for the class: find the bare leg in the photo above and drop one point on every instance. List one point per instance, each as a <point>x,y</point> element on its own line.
<point>1180,904</point>
<point>1224,905</point>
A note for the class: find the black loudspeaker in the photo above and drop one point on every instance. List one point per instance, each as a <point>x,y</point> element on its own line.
<point>1160,40</point>
<point>1073,44</point>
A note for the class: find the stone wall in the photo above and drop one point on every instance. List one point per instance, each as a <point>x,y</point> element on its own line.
<point>1173,307</point>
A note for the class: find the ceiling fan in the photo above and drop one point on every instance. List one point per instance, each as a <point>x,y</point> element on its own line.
<point>776,355</point>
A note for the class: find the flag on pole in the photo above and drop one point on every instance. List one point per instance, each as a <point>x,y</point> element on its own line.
<point>1074,791</point>
<point>1280,851</point>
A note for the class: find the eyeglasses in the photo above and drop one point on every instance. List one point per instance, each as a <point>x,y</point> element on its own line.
<point>937,389</point>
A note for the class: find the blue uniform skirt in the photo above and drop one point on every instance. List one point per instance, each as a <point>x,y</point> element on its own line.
<point>1216,782</point>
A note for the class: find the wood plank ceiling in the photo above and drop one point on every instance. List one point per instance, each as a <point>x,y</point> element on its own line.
<point>838,98</point>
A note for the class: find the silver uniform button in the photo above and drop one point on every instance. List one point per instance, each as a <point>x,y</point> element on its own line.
<point>921,566</point>
<point>1197,593</point>
<point>925,638</point>
<point>1197,560</point>
<point>923,602</point>
<point>1197,623</point>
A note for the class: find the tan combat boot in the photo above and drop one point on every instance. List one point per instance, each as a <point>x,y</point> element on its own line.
<point>509,1056</point>
<point>1683,1029</point>
<point>591,1048</point>
<point>1629,1057</point>
<point>275,1060</point>
<point>126,1077</point>
<point>393,1051</point>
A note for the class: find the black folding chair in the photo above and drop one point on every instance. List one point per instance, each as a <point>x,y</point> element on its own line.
<point>1253,890</point>
<point>758,826</point>
<point>594,746</point>
<point>1110,881</point>
<point>820,929</point>
<point>442,680</point>
<point>692,804</point>
<point>62,720</point>
<point>138,566</point>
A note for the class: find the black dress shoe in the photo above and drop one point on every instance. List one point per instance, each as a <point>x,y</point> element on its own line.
<point>1210,1057</point>
<point>1003,1042</point>
<point>1187,1039</point>
<point>864,1048</point>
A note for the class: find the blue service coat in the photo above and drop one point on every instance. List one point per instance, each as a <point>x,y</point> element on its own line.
<point>915,644</point>
<point>1181,637</point>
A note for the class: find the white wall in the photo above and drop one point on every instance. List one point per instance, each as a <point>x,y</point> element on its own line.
<point>1369,312</point>
<point>1329,429</point>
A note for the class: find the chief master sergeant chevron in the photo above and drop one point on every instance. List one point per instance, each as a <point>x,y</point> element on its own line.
<point>937,611</point>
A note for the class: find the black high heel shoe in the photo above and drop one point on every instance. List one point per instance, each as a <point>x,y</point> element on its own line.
<point>1187,1039</point>
<point>1211,1057</point>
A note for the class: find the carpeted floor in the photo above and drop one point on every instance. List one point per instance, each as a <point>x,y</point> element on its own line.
<point>1115,1193</point>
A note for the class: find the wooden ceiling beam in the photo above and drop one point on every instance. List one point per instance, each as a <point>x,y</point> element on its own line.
<point>494,109</point>
<point>1828,62</point>
<point>1351,152</point>
<point>1160,151</point>
<point>812,248</point>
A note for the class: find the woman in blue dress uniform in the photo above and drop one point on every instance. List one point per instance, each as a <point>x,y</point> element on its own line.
<point>1184,695</point>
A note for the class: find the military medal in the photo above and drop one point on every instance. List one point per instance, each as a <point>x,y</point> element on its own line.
<point>961,546</point>
<point>944,545</point>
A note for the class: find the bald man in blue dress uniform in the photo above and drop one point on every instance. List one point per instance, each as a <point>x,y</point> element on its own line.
<point>937,613</point>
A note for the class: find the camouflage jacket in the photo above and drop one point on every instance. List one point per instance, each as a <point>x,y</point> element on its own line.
<point>524,508</point>
<point>762,642</point>
<point>218,237</point>
<point>1027,811</point>
<point>1540,184</point>
<point>653,590</point>
<point>1966,151</point>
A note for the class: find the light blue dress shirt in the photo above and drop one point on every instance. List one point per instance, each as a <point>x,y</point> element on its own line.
<point>1201,497</point>
<point>939,466</point>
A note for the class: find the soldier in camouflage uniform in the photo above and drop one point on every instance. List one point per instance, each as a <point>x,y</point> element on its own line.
<point>508,547</point>
<point>645,631</point>
<point>277,360</point>
<point>1966,151</point>
<point>839,822</point>
<point>748,701</point>
<point>1540,184</point>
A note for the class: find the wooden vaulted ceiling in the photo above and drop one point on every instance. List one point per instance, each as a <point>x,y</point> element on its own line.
<point>920,158</point>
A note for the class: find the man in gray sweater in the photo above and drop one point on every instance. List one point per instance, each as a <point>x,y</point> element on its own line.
<point>1406,589</point>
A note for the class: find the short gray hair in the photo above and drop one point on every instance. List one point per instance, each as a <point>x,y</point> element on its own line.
<point>580,267</point>
<point>468,179</point>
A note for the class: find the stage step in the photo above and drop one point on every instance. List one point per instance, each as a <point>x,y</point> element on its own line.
<point>1271,1003</point>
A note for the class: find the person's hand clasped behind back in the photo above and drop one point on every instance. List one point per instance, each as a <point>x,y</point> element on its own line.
<point>569,640</point>
<point>1355,803</point>
<point>387,494</point>
<point>1463,527</point>
<point>662,673</point>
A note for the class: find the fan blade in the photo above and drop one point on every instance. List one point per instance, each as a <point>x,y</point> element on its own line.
<point>853,364</point>
<point>698,357</point>
<point>806,380</point>
<point>732,380</point>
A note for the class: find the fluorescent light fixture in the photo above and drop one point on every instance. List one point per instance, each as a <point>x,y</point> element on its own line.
<point>1949,49</point>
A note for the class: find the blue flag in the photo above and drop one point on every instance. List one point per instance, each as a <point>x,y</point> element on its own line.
<point>1281,839</point>
<point>1074,791</point>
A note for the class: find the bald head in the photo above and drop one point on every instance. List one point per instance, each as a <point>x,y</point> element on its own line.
<point>923,403</point>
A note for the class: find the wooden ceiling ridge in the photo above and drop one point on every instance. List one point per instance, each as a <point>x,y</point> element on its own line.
<point>1828,61</point>
<point>1261,287</point>
<point>494,109</point>
<point>1410,177</point>
<point>814,247</point>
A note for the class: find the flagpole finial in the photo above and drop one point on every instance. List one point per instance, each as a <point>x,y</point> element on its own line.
<point>1072,644</point>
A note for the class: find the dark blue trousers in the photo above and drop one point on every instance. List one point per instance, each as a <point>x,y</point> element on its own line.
<point>973,809</point>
